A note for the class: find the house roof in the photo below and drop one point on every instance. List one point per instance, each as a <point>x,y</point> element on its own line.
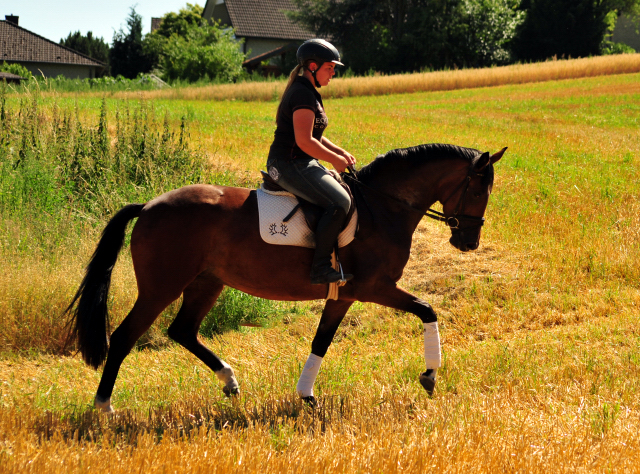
<point>20,45</point>
<point>264,19</point>
<point>10,77</point>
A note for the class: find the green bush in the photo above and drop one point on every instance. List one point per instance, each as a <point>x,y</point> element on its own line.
<point>82,167</point>
<point>17,69</point>
<point>234,308</point>
<point>609,47</point>
<point>207,51</point>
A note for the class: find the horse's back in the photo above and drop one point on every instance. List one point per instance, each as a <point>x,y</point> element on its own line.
<point>184,228</point>
<point>198,195</point>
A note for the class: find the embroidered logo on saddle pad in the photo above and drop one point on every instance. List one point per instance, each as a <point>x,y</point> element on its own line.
<point>274,206</point>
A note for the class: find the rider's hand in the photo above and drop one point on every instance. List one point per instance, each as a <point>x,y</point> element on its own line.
<point>340,163</point>
<point>349,157</point>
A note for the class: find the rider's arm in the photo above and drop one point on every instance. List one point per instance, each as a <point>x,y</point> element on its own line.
<point>336,149</point>
<point>303,120</point>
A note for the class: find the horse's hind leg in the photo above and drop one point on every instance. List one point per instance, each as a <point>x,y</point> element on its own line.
<point>198,298</point>
<point>138,321</point>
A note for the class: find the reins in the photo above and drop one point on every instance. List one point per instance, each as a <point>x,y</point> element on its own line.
<point>452,221</point>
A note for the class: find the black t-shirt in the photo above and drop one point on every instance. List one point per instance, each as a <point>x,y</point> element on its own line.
<point>301,95</point>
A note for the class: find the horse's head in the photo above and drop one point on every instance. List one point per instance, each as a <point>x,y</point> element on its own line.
<point>465,201</point>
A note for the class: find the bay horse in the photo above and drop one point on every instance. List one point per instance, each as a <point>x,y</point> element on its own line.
<point>195,240</point>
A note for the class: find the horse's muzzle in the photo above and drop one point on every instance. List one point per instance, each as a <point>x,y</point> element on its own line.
<point>464,241</point>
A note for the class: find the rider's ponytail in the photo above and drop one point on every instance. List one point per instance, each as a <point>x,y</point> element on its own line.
<point>292,77</point>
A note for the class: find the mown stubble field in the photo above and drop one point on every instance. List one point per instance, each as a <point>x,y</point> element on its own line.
<point>540,326</point>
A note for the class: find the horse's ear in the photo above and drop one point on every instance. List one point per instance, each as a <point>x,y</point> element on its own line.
<point>496,156</point>
<point>483,161</point>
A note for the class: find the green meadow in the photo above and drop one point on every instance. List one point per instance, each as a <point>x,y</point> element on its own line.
<point>540,326</point>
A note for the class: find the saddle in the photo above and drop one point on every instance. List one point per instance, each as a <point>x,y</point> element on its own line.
<point>312,212</point>
<point>300,221</point>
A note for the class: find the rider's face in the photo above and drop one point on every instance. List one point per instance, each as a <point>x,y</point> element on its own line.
<point>325,73</point>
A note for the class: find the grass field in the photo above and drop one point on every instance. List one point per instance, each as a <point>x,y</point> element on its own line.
<point>540,326</point>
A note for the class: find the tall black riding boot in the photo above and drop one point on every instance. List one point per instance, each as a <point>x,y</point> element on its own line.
<point>329,227</point>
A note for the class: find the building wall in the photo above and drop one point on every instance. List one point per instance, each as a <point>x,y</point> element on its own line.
<point>625,32</point>
<point>67,70</point>
<point>221,14</point>
<point>260,45</point>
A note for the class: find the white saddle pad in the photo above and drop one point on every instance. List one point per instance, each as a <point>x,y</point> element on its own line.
<point>273,206</point>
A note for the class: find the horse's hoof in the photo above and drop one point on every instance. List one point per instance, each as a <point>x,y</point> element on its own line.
<point>310,401</point>
<point>103,404</point>
<point>428,381</point>
<point>230,391</point>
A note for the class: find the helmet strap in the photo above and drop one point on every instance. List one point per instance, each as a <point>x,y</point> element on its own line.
<point>315,79</point>
<point>313,73</point>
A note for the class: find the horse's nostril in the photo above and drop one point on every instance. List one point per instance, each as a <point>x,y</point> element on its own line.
<point>472,246</point>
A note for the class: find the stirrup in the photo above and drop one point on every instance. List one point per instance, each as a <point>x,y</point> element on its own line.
<point>329,276</point>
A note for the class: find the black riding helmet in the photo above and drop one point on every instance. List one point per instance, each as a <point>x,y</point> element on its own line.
<point>318,51</point>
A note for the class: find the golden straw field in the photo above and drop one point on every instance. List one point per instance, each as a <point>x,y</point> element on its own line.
<point>540,326</point>
<point>416,82</point>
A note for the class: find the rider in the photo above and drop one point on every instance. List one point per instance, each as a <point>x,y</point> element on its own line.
<point>299,144</point>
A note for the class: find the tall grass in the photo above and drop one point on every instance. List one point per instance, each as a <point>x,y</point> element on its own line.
<point>61,177</point>
<point>51,160</point>
<point>416,82</point>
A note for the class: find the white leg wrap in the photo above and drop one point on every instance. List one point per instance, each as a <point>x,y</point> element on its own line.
<point>432,356</point>
<point>308,376</point>
<point>103,404</point>
<point>226,376</point>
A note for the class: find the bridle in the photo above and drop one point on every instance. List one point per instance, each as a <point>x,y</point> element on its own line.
<point>455,221</point>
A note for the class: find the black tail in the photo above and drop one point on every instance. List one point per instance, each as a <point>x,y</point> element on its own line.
<point>90,318</point>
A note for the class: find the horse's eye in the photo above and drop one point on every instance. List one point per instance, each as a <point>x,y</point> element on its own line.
<point>477,195</point>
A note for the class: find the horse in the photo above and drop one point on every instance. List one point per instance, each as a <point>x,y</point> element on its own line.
<point>195,240</point>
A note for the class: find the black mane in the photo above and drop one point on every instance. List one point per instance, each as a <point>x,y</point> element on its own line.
<point>405,159</point>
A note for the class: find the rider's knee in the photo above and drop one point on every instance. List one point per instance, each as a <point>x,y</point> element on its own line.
<point>343,203</point>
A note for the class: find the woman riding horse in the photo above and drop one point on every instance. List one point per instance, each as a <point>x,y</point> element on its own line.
<point>193,241</point>
<point>298,145</point>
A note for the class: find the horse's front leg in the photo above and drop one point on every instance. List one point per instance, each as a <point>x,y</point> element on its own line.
<point>395,297</point>
<point>332,316</point>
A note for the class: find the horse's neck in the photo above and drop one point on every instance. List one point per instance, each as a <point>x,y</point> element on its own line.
<point>418,189</point>
<point>401,201</point>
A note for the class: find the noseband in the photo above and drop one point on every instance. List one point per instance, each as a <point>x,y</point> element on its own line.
<point>455,221</point>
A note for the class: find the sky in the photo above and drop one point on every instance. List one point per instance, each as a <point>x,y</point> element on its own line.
<point>56,19</point>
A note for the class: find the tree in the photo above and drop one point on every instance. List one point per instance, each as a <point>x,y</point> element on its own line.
<point>180,23</point>
<point>171,24</point>
<point>410,35</point>
<point>456,33</point>
<point>206,51</point>
<point>491,28</point>
<point>127,56</point>
<point>566,28</point>
<point>95,48</point>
